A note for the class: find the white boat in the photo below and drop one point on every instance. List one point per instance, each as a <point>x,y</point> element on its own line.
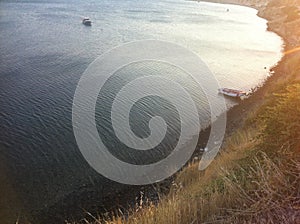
<point>232,92</point>
<point>86,21</point>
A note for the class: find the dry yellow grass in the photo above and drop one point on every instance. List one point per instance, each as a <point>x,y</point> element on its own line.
<point>244,184</point>
<point>241,186</point>
<point>293,66</point>
<point>195,196</point>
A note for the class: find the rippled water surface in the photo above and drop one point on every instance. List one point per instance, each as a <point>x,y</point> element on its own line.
<point>44,50</point>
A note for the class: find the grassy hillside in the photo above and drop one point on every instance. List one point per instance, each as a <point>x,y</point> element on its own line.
<point>255,179</point>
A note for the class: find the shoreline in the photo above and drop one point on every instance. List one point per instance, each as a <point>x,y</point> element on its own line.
<point>230,2</point>
<point>236,114</point>
<point>273,15</point>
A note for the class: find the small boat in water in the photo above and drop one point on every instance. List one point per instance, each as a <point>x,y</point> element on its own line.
<point>232,92</point>
<point>86,21</point>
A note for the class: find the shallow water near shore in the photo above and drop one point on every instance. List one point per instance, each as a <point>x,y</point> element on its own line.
<point>45,49</point>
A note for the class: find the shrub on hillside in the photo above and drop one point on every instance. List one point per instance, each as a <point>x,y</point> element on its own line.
<point>281,120</point>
